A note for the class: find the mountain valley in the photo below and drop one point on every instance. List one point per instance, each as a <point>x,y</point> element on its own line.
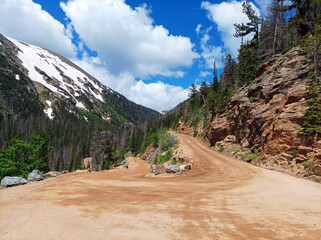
<point>239,157</point>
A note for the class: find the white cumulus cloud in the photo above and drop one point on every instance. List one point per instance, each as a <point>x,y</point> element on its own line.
<point>25,20</point>
<point>164,96</point>
<point>225,15</point>
<point>158,96</point>
<point>210,53</point>
<point>126,39</point>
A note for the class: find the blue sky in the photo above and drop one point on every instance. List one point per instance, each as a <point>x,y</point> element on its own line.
<point>151,51</point>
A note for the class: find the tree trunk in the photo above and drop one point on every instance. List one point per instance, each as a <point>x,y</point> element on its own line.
<point>275,32</point>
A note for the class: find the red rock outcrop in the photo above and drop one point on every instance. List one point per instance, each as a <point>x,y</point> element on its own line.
<point>268,114</point>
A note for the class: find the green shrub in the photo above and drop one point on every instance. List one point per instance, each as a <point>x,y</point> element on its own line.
<point>179,160</point>
<point>255,99</point>
<point>293,152</point>
<point>236,151</point>
<point>307,164</point>
<point>20,158</point>
<point>252,156</point>
<point>155,139</point>
<point>285,50</point>
<point>221,149</point>
<point>166,141</point>
<point>166,157</point>
<point>197,118</point>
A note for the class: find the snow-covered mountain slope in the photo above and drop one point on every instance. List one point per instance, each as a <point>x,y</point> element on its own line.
<point>42,64</point>
<point>57,79</point>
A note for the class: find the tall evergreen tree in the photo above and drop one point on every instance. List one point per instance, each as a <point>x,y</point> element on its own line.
<point>203,91</point>
<point>247,63</point>
<point>193,96</point>
<point>215,84</point>
<point>252,26</point>
<point>228,77</point>
<point>248,52</point>
<point>312,117</point>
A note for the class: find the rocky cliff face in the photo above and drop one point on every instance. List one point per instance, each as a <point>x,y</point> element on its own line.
<point>266,117</point>
<point>268,114</point>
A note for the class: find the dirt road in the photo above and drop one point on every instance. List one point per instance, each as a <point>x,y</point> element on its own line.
<point>220,198</point>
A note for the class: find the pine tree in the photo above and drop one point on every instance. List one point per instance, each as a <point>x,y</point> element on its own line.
<point>306,11</point>
<point>247,63</point>
<point>248,52</point>
<point>215,84</point>
<point>193,96</point>
<point>203,91</point>
<point>228,77</point>
<point>252,26</point>
<point>211,100</point>
<point>312,116</point>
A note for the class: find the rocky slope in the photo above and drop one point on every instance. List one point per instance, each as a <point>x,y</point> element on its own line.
<point>265,118</point>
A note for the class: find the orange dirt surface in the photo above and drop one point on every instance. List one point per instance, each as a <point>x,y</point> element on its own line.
<point>220,198</point>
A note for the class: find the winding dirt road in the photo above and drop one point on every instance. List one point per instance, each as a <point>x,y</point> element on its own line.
<point>220,198</point>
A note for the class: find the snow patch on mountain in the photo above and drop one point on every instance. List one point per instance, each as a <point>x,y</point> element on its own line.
<point>56,75</point>
<point>48,103</point>
<point>80,105</point>
<point>106,118</point>
<point>49,113</point>
<point>49,110</point>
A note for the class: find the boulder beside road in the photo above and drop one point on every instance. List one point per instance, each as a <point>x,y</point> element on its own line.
<point>36,175</point>
<point>172,169</point>
<point>12,181</point>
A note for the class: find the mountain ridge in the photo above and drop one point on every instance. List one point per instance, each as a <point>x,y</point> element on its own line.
<point>64,79</point>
